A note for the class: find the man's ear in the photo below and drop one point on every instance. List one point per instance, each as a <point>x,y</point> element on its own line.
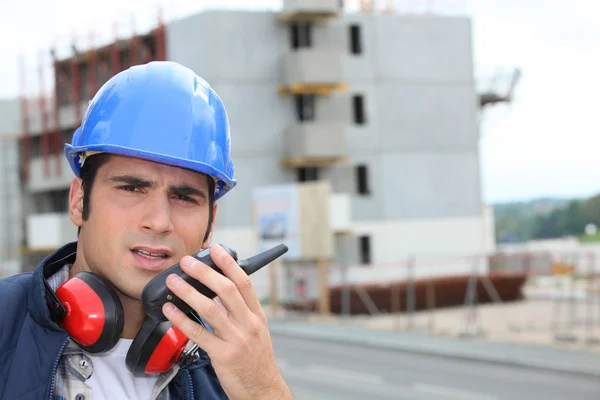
<point>208,240</point>
<point>76,202</point>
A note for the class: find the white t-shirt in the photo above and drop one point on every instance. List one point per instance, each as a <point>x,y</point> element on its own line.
<point>112,380</point>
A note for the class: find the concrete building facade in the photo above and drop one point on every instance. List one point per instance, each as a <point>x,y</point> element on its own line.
<point>410,117</point>
<point>392,123</point>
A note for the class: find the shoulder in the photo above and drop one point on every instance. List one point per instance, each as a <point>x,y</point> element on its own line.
<point>14,292</point>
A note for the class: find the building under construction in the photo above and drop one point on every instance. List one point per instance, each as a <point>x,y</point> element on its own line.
<point>382,105</point>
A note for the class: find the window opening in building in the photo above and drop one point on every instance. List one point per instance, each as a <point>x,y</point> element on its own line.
<point>364,244</point>
<point>59,200</point>
<point>305,107</point>
<point>301,35</point>
<point>67,136</point>
<point>362,179</point>
<point>355,39</point>
<point>358,108</point>
<point>54,201</point>
<point>35,145</point>
<point>306,174</point>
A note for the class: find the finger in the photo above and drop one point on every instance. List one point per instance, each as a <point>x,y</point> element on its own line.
<point>223,287</point>
<point>241,280</point>
<point>195,331</point>
<point>207,308</point>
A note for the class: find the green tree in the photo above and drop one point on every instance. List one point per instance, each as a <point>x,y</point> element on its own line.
<point>545,218</point>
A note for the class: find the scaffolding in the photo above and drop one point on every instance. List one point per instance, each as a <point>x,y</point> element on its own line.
<point>56,88</point>
<point>493,95</point>
<point>43,102</point>
<point>75,79</point>
<point>24,100</point>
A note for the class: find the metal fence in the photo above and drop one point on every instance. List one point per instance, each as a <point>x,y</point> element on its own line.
<point>541,296</point>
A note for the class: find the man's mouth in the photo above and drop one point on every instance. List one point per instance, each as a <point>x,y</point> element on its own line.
<point>152,254</point>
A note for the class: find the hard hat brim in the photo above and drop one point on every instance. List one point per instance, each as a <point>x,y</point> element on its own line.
<point>223,184</point>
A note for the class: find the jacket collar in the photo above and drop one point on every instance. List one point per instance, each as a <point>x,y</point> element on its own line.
<point>38,307</point>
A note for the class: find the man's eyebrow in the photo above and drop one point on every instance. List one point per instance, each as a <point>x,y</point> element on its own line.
<point>132,180</point>
<point>187,190</point>
<point>182,189</point>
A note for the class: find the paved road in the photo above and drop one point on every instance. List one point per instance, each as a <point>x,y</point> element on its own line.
<point>318,370</point>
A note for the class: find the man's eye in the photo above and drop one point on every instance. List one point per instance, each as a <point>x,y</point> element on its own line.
<point>185,198</point>
<point>128,188</point>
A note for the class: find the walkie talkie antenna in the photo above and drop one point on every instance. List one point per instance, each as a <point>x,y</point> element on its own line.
<point>252,264</point>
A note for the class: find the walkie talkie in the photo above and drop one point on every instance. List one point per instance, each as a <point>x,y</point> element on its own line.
<point>156,293</point>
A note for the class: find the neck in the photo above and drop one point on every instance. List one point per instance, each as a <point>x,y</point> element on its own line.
<point>134,316</point>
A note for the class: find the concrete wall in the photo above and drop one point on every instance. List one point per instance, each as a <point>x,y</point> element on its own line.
<point>50,230</point>
<point>10,119</point>
<point>234,46</point>
<point>11,206</point>
<point>10,196</point>
<point>420,142</point>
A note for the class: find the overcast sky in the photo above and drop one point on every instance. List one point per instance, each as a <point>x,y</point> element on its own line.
<point>545,144</point>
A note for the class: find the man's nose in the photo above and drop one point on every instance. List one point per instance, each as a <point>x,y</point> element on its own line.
<point>157,216</point>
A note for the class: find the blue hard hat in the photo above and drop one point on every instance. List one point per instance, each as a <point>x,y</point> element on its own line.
<point>161,111</point>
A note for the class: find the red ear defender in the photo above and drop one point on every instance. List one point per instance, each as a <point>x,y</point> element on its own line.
<point>93,314</point>
<point>156,348</point>
<point>88,308</point>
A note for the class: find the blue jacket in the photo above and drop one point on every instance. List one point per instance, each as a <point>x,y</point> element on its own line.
<point>32,345</point>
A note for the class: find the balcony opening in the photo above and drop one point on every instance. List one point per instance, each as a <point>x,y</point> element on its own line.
<point>67,136</point>
<point>362,180</point>
<point>301,35</point>
<point>54,201</point>
<point>355,39</point>
<point>305,107</point>
<point>35,145</point>
<point>364,247</point>
<point>307,174</point>
<point>358,109</point>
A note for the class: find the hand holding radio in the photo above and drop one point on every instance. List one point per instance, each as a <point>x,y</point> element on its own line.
<point>240,348</point>
<point>88,307</point>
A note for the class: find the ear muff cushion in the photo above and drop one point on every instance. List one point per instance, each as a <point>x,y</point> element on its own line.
<point>156,348</point>
<point>95,315</point>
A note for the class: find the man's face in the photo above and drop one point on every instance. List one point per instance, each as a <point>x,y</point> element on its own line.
<point>144,217</point>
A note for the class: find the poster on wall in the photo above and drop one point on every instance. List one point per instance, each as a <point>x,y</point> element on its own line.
<point>277,218</point>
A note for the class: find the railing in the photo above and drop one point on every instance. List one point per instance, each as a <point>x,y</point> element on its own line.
<point>542,297</point>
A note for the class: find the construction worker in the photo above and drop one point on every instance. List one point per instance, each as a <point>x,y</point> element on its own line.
<point>151,158</point>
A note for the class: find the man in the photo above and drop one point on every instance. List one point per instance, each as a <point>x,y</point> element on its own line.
<point>151,158</point>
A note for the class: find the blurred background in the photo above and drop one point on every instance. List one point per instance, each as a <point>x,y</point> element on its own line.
<point>430,163</point>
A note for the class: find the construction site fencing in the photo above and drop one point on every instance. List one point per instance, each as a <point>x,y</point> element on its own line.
<point>546,295</point>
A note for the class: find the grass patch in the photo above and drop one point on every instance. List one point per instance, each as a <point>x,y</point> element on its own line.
<point>589,238</point>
